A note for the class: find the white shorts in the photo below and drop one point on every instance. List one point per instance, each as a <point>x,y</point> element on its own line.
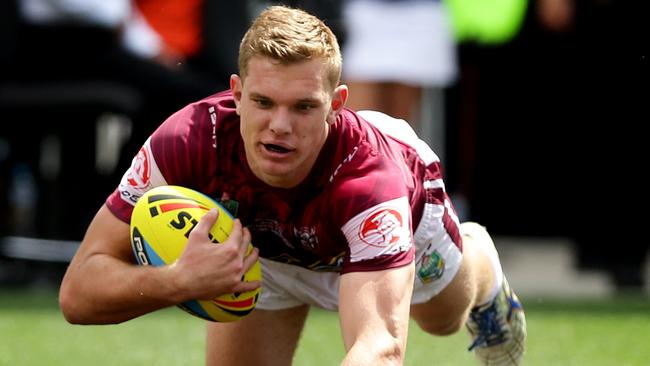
<point>285,286</point>
<point>402,41</point>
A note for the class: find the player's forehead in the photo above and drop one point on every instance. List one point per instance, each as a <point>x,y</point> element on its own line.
<point>272,79</point>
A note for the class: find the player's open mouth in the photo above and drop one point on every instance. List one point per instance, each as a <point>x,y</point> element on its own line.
<point>276,148</point>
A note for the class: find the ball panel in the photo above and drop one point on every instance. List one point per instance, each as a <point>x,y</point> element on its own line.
<point>144,253</point>
<point>235,304</point>
<point>194,308</point>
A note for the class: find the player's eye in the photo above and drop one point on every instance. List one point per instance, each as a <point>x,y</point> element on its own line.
<point>263,103</point>
<point>305,107</point>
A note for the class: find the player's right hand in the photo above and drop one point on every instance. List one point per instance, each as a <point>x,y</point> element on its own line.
<point>206,270</point>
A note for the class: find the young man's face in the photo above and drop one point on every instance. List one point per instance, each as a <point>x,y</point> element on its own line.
<point>285,114</point>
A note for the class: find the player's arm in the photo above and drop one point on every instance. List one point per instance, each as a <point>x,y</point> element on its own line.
<point>103,284</point>
<point>374,313</point>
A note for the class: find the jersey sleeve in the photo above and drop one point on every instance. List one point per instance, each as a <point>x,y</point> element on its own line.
<point>373,212</point>
<point>379,237</point>
<point>142,175</point>
<point>179,152</point>
<point>375,191</point>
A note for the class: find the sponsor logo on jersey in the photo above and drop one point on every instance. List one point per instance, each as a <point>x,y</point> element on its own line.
<point>140,173</point>
<point>213,120</point>
<point>382,228</point>
<point>347,159</point>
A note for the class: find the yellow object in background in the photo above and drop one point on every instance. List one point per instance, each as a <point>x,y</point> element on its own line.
<point>486,21</point>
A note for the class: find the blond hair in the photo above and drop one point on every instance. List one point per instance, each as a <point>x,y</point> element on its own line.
<point>290,36</point>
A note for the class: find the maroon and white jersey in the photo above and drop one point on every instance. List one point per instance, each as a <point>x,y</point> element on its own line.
<point>356,211</point>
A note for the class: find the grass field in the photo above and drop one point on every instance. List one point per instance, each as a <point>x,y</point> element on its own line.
<point>561,332</point>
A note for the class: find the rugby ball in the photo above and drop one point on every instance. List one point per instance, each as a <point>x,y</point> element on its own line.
<point>160,226</point>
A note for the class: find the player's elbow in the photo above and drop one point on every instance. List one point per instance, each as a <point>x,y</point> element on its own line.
<point>67,304</point>
<point>393,354</point>
<point>70,304</point>
<point>389,353</point>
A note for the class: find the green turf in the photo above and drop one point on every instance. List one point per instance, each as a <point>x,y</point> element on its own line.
<point>561,332</point>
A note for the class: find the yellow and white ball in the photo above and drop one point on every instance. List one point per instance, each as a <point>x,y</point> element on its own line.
<point>160,226</point>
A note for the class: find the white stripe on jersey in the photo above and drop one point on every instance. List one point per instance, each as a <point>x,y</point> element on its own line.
<point>451,212</point>
<point>384,229</point>
<point>432,184</point>
<point>439,183</point>
<point>432,228</point>
<point>402,131</point>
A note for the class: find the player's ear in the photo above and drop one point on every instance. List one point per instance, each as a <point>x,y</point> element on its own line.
<point>235,88</point>
<point>339,98</point>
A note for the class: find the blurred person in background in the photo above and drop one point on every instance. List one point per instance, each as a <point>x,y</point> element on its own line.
<point>397,54</point>
<point>60,40</point>
<point>553,113</point>
<point>88,54</point>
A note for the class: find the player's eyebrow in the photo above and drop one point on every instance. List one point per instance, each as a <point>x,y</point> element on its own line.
<point>254,95</point>
<point>308,100</point>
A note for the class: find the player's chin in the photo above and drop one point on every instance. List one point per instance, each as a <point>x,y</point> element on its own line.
<point>279,170</point>
<point>280,175</point>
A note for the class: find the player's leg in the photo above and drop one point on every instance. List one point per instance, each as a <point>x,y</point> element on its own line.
<point>265,338</point>
<point>480,297</point>
<point>446,313</point>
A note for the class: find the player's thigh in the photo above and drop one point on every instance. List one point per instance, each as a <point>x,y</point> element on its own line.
<point>265,338</point>
<point>446,312</point>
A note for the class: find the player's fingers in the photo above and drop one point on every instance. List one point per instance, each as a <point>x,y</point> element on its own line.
<point>235,236</point>
<point>250,259</point>
<point>202,229</point>
<point>247,286</point>
<point>245,240</point>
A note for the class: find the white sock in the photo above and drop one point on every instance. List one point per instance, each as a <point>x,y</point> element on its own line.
<point>498,276</point>
<point>485,243</point>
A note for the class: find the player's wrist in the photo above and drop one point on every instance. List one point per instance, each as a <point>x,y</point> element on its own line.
<point>172,285</point>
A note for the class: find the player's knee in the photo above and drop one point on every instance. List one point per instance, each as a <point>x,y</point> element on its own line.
<point>446,313</point>
<point>441,327</point>
<point>439,320</point>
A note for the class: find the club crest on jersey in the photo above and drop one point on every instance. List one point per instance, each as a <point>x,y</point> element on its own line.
<point>307,236</point>
<point>140,173</point>
<point>382,227</point>
<point>432,266</point>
